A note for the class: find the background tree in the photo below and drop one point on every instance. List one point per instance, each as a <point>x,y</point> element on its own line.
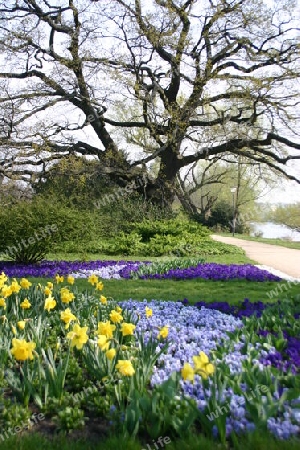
<point>67,70</point>
<point>288,215</point>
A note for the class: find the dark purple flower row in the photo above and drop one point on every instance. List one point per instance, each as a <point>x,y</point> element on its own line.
<point>212,271</point>
<point>50,268</point>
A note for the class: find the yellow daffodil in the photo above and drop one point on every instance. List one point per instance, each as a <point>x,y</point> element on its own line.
<point>78,336</point>
<point>103,300</point>
<point>47,290</point>
<point>25,284</point>
<point>202,365</point>
<point>148,311</point>
<point>93,279</point>
<point>22,350</point>
<point>50,303</point>
<point>21,324</point>
<point>70,279</point>
<point>125,367</point>
<point>127,329</point>
<point>2,303</point>
<point>110,354</point>
<point>115,317</point>
<point>187,372</point>
<point>118,309</point>
<point>13,329</point>
<point>67,316</point>
<point>25,304</point>
<point>6,291</point>
<point>50,285</point>
<point>3,279</point>
<point>99,286</point>
<point>15,287</point>
<point>163,333</point>
<point>102,342</point>
<point>106,328</point>
<point>59,279</point>
<point>66,296</point>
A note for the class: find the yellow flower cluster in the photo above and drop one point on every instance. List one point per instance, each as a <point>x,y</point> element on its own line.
<point>202,367</point>
<point>22,350</point>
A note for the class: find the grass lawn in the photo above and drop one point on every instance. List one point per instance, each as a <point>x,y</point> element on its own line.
<point>220,259</point>
<point>194,290</point>
<point>38,441</point>
<point>281,242</point>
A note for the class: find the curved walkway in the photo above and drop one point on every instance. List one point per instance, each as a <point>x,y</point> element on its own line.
<point>287,260</point>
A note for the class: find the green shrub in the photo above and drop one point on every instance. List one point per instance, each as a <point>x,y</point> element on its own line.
<point>30,228</point>
<point>148,228</point>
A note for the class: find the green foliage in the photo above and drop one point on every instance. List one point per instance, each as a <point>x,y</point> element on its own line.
<point>165,266</point>
<point>221,218</point>
<point>160,412</point>
<point>69,419</point>
<point>30,228</point>
<point>149,229</point>
<point>179,242</point>
<point>74,181</point>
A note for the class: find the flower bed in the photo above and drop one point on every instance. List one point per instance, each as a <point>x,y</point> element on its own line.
<point>74,356</point>
<point>138,269</point>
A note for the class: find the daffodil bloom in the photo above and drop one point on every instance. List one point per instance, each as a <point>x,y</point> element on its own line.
<point>102,342</point>
<point>125,367</point>
<point>66,296</point>
<point>47,290</point>
<point>50,285</point>
<point>103,300</point>
<point>110,354</point>
<point>15,287</point>
<point>118,309</point>
<point>187,372</point>
<point>6,291</point>
<point>78,336</point>
<point>127,329</point>
<point>59,279</point>
<point>115,317</point>
<point>148,311</point>
<point>25,284</point>
<point>25,304</point>
<point>70,279</point>
<point>3,279</point>
<point>2,303</point>
<point>50,303</point>
<point>106,328</point>
<point>202,365</point>
<point>163,333</point>
<point>21,324</point>
<point>22,350</point>
<point>93,279</point>
<point>67,316</point>
<point>99,286</point>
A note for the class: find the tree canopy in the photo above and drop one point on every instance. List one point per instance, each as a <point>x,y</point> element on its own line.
<point>137,82</point>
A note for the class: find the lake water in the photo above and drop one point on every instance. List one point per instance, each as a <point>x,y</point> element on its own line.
<point>272,230</point>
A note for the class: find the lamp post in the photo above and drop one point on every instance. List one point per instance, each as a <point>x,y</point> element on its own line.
<point>233,191</point>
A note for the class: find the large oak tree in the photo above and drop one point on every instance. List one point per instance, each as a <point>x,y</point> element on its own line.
<point>132,82</point>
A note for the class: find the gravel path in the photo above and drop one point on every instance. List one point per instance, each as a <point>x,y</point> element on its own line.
<point>287,260</point>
